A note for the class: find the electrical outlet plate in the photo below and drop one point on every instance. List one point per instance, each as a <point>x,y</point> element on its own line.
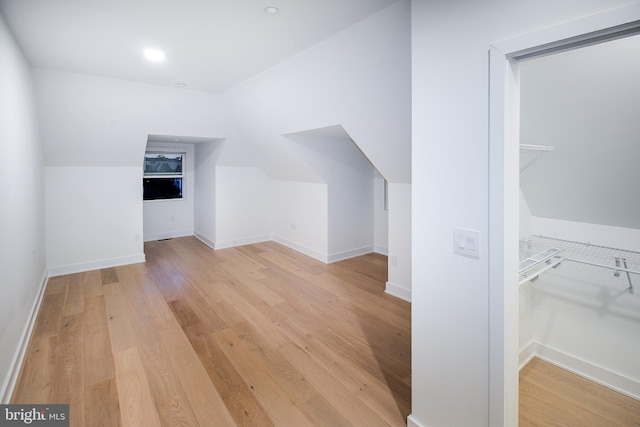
<point>466,242</point>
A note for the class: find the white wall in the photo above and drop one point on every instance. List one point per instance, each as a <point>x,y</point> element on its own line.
<point>204,221</point>
<point>400,260</point>
<point>243,206</point>
<point>22,248</point>
<point>368,93</point>
<point>172,218</point>
<point>380,216</point>
<point>582,106</point>
<point>351,217</point>
<point>300,216</point>
<point>582,317</point>
<point>350,178</point>
<point>450,293</point>
<point>95,133</point>
<point>94,122</point>
<point>94,217</point>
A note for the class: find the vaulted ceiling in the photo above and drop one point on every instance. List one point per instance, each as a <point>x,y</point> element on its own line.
<point>209,44</point>
<point>585,104</point>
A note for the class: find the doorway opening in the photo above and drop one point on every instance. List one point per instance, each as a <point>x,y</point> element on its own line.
<point>504,184</point>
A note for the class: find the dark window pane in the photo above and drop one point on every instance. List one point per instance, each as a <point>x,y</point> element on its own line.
<point>162,188</point>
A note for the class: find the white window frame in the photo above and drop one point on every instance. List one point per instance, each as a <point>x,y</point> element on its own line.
<point>182,175</point>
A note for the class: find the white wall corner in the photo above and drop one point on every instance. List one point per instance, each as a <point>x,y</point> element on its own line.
<point>398,291</point>
<point>11,378</point>
<point>382,250</point>
<point>526,354</point>
<point>296,247</point>
<point>61,270</point>
<point>412,422</point>
<point>205,240</point>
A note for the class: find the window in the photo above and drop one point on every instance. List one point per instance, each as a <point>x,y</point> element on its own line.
<point>163,175</point>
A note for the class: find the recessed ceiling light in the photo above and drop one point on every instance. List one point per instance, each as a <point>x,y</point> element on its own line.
<point>154,55</point>
<point>271,10</point>
<point>181,84</point>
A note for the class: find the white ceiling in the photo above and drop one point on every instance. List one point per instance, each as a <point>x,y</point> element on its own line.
<point>210,44</point>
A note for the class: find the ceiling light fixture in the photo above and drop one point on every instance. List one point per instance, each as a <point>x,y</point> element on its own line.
<point>271,10</point>
<point>154,55</point>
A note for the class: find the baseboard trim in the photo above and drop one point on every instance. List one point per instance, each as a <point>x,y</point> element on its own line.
<point>241,242</point>
<point>587,370</point>
<point>381,250</point>
<point>169,235</point>
<point>398,291</point>
<point>349,254</point>
<point>95,265</point>
<point>16,363</point>
<point>526,354</point>
<point>299,248</point>
<point>411,422</point>
<point>205,240</point>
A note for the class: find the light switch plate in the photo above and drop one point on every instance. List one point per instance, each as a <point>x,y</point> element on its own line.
<point>466,242</point>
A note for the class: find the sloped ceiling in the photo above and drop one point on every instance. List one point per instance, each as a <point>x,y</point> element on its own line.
<point>210,45</point>
<point>585,104</point>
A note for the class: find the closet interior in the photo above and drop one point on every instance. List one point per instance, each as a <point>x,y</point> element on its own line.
<point>579,270</point>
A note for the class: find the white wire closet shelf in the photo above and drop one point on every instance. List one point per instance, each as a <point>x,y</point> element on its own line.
<point>540,253</point>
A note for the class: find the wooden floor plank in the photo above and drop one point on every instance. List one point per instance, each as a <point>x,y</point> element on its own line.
<point>37,376</point>
<point>118,315</point>
<point>74,298</point>
<point>170,399</point>
<point>551,396</point>
<point>136,404</point>
<point>339,396</point>
<point>276,403</point>
<point>208,406</point>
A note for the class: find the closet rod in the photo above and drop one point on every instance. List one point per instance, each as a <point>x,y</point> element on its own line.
<point>595,264</point>
<point>603,265</point>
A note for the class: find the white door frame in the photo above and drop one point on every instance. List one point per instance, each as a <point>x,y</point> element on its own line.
<point>504,129</point>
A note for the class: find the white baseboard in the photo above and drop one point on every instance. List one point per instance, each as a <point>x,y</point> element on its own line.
<point>168,235</point>
<point>11,378</point>
<point>241,242</point>
<point>327,259</point>
<point>61,270</point>
<point>382,250</point>
<point>526,354</point>
<point>587,370</point>
<point>299,248</point>
<point>411,422</point>
<point>205,240</point>
<point>398,291</point>
<point>349,254</point>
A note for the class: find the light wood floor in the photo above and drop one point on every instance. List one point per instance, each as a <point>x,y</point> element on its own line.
<point>257,335</point>
<point>551,396</point>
